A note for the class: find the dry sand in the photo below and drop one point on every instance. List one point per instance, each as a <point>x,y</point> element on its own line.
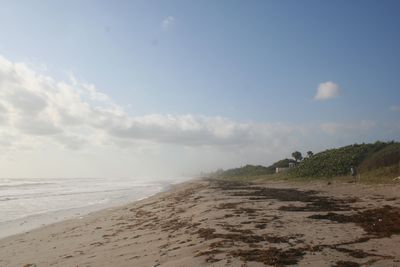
<point>205,223</point>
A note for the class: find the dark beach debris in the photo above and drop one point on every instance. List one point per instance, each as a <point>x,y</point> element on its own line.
<point>380,222</point>
<point>209,252</point>
<point>222,244</point>
<point>229,185</point>
<point>261,226</point>
<point>355,253</point>
<point>68,256</point>
<point>97,244</point>
<point>320,204</point>
<point>212,259</point>
<point>139,213</point>
<point>248,211</point>
<point>245,236</point>
<point>271,256</point>
<point>197,198</point>
<point>210,255</point>
<point>174,225</point>
<point>229,205</point>
<point>356,241</point>
<point>281,194</point>
<point>240,237</point>
<point>346,264</point>
<point>290,239</point>
<point>184,195</point>
<point>235,228</point>
<point>314,202</point>
<point>208,234</point>
<point>174,248</point>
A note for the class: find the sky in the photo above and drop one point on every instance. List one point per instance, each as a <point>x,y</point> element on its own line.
<point>157,89</point>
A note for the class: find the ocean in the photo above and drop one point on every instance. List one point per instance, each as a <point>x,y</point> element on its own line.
<point>30,203</point>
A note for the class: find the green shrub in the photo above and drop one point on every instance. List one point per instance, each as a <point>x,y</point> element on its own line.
<point>248,170</point>
<point>336,162</point>
<point>388,156</point>
<point>332,162</point>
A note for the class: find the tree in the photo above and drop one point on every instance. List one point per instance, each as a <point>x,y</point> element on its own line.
<point>297,156</point>
<point>310,154</point>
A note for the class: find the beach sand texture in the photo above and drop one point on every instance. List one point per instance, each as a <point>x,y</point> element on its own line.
<point>217,223</point>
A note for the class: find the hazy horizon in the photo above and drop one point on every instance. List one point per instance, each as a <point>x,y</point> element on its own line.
<point>161,89</point>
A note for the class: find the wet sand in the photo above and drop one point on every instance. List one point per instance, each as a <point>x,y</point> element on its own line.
<point>219,223</point>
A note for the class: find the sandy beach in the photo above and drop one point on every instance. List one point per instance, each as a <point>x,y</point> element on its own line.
<point>219,223</point>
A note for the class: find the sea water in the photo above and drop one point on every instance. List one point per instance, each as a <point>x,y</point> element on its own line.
<point>29,203</point>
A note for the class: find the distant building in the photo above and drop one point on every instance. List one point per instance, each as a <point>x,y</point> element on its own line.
<point>281,169</point>
<point>284,169</point>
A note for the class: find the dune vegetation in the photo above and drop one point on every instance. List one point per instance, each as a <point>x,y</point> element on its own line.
<point>379,160</point>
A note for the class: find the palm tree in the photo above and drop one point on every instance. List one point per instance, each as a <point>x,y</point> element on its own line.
<point>297,156</point>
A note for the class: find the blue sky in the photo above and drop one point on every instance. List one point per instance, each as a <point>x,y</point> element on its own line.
<point>257,62</point>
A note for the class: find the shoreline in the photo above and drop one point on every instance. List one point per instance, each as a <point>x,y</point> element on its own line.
<point>37,221</point>
<point>201,222</point>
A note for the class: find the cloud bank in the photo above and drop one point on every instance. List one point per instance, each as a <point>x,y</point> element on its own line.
<point>37,109</point>
<point>327,90</point>
<point>83,132</point>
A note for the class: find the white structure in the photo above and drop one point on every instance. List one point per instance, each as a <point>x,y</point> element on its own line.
<point>278,170</point>
<point>283,169</point>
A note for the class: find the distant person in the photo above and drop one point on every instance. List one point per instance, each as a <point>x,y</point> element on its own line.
<point>353,172</point>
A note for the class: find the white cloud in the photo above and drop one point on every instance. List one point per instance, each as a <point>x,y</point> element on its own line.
<point>327,90</point>
<point>395,108</point>
<point>3,114</point>
<point>168,22</point>
<point>82,131</point>
<point>37,110</point>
